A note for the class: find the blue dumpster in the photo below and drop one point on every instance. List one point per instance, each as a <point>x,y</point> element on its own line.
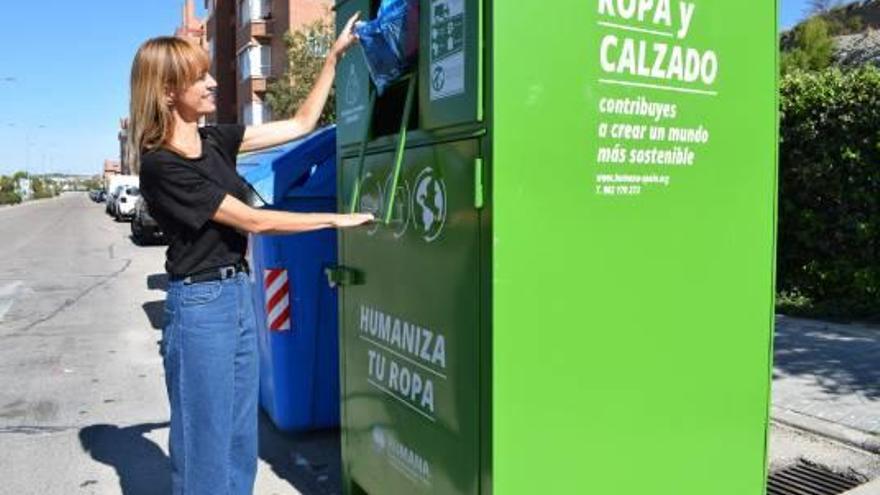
<point>296,308</point>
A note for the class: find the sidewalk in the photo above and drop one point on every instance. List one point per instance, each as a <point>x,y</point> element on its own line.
<point>829,372</point>
<point>826,382</point>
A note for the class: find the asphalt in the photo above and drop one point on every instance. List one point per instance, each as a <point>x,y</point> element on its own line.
<point>82,400</point>
<point>83,408</point>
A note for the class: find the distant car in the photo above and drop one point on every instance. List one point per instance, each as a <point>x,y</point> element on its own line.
<point>123,208</point>
<point>97,195</point>
<point>144,229</point>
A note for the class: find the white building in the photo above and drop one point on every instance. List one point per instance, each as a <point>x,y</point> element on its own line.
<point>24,188</point>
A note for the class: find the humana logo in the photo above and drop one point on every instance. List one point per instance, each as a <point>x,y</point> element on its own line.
<point>402,457</point>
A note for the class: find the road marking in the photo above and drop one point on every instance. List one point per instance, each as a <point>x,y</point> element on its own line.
<point>7,297</point>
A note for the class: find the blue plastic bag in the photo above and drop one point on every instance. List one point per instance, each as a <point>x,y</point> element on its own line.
<point>391,41</point>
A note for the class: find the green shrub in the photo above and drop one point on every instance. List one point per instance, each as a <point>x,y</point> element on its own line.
<point>811,47</point>
<point>829,210</point>
<point>9,198</point>
<point>306,52</point>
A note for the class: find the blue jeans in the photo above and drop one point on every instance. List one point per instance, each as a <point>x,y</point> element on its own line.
<point>212,375</point>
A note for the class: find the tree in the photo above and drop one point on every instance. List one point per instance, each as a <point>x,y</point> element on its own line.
<point>842,20</point>
<point>8,194</point>
<point>43,188</point>
<point>812,47</point>
<point>92,184</point>
<point>829,209</point>
<point>7,184</point>
<point>307,49</point>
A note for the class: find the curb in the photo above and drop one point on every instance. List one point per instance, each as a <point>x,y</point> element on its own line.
<point>843,434</point>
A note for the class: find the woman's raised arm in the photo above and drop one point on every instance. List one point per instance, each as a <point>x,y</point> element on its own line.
<point>274,133</point>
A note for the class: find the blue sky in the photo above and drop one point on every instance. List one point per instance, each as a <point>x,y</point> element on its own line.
<point>792,11</point>
<point>69,63</point>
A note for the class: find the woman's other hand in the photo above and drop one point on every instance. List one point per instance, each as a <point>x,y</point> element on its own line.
<point>347,37</point>
<point>354,219</point>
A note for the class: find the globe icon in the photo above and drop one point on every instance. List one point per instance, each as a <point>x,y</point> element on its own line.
<point>430,204</point>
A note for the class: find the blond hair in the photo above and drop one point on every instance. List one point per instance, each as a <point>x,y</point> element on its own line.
<point>161,64</point>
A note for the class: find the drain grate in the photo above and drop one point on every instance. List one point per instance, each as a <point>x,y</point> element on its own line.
<point>805,478</point>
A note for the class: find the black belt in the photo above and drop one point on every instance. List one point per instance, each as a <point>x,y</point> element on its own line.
<point>219,273</point>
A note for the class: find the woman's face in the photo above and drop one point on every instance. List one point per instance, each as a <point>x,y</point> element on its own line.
<point>198,99</point>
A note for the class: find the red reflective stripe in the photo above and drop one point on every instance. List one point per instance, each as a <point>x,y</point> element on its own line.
<point>271,276</point>
<point>277,297</point>
<point>282,318</point>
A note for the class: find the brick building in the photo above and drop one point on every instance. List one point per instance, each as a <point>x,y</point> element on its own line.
<point>125,167</point>
<point>246,41</point>
<point>111,168</point>
<point>191,27</point>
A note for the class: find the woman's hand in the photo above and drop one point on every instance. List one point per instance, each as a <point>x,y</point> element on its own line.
<point>347,37</point>
<point>353,220</point>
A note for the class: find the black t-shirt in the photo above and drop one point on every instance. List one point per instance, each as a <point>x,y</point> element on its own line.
<point>183,195</point>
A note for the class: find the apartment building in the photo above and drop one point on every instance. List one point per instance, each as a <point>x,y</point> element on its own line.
<point>24,188</point>
<point>191,28</point>
<point>220,39</point>
<point>111,168</point>
<point>122,135</point>
<point>246,41</point>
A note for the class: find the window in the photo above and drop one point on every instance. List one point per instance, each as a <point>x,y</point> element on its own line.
<point>247,117</point>
<point>254,113</point>
<point>265,60</point>
<point>255,61</point>
<point>253,10</point>
<point>244,64</point>
<point>244,12</point>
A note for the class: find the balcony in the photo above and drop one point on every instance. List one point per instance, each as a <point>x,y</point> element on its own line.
<point>254,84</point>
<point>255,28</point>
<point>255,66</point>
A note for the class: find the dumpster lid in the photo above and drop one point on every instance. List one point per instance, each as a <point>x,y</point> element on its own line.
<point>274,171</point>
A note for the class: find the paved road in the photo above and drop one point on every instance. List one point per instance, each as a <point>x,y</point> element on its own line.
<point>82,399</point>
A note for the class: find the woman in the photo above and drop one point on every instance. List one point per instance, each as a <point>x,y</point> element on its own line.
<point>188,178</point>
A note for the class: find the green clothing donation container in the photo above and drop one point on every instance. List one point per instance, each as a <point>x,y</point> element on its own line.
<point>570,286</point>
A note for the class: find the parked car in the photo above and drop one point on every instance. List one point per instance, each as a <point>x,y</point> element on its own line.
<point>126,200</point>
<point>144,229</point>
<point>115,185</point>
<point>114,193</point>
